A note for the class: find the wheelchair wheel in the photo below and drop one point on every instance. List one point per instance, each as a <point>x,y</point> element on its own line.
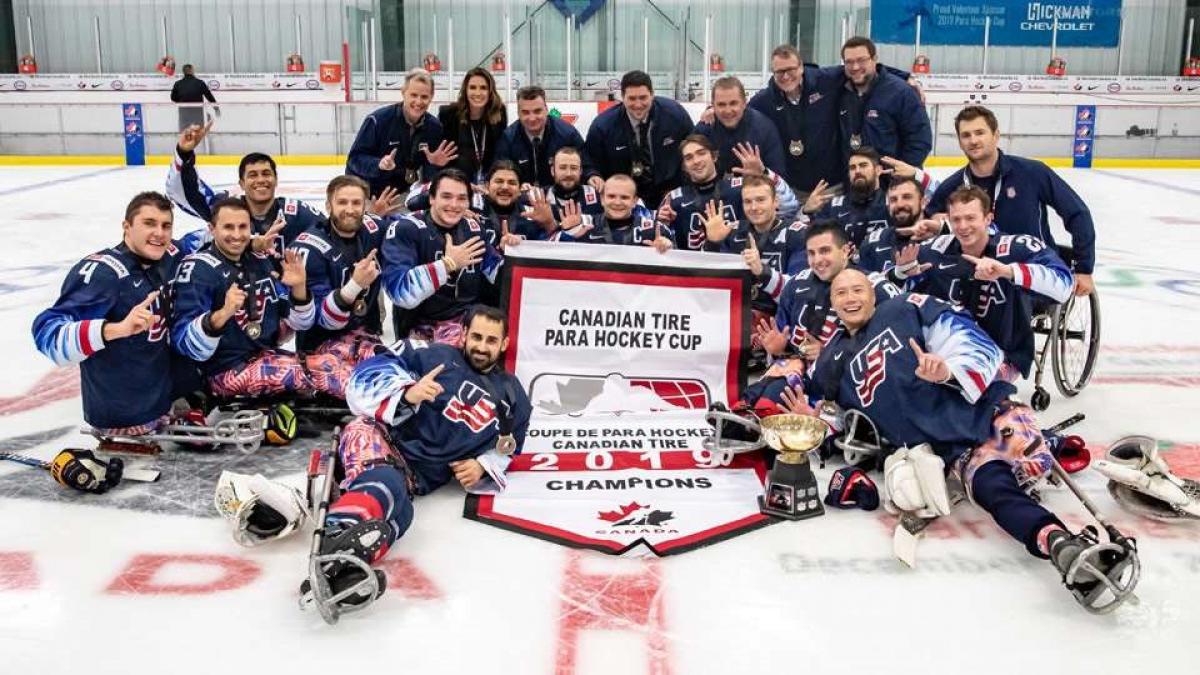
<point>1075,337</point>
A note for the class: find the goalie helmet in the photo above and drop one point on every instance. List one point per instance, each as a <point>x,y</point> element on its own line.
<point>859,439</point>
<point>1142,482</point>
<point>260,510</point>
<point>734,431</point>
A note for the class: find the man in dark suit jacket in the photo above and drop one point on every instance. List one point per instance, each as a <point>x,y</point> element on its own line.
<point>640,138</point>
<point>532,140</point>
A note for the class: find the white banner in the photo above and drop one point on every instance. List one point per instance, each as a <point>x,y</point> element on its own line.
<point>599,328</point>
<point>630,485</point>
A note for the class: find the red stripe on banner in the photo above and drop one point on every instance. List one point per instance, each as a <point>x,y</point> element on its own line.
<point>675,460</point>
<point>514,318</point>
<point>486,510</point>
<point>666,547</point>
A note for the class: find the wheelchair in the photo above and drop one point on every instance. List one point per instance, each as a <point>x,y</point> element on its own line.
<point>1070,336</point>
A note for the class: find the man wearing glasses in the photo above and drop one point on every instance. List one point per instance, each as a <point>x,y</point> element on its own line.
<point>878,109</point>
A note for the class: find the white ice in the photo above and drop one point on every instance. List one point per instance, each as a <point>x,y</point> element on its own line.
<point>815,595</point>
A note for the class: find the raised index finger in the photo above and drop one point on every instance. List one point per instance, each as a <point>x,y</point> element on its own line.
<point>149,300</point>
<point>434,372</point>
<point>971,259</point>
<point>916,347</point>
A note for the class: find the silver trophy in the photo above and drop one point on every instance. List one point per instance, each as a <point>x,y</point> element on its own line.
<point>791,489</point>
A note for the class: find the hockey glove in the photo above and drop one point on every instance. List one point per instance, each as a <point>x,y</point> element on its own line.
<point>81,470</point>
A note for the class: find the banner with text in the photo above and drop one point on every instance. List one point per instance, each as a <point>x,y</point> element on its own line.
<point>598,325</point>
<point>628,484</point>
<point>622,350</point>
<point>1014,23</point>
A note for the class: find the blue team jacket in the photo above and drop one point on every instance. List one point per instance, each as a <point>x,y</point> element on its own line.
<point>1027,187</point>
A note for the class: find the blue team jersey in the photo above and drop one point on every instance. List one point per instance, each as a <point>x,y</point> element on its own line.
<point>782,251</point>
<point>689,201</point>
<point>196,198</point>
<point>328,264</point>
<point>874,371</point>
<point>639,230</point>
<point>462,422</point>
<point>877,253</point>
<point>126,382</point>
<point>1003,308</point>
<point>416,279</point>
<point>858,217</point>
<point>805,309</point>
<point>200,285</point>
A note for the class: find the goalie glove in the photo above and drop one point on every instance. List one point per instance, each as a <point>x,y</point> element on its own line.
<point>81,470</point>
<point>1142,482</point>
<point>915,479</point>
<point>260,510</point>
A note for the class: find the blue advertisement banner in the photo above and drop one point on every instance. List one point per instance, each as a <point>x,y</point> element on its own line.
<point>135,134</point>
<point>1085,136</point>
<point>1015,23</point>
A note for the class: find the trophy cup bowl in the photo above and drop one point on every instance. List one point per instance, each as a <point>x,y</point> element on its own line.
<point>791,489</point>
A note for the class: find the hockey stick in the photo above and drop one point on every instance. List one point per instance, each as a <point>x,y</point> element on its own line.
<point>128,473</point>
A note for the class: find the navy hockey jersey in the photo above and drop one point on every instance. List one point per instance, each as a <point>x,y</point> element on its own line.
<point>463,422</point>
<point>200,285</point>
<point>196,198</point>
<point>877,253</point>
<point>689,201</point>
<point>328,263</point>
<point>639,230</point>
<point>1003,308</point>
<point>858,217</point>
<point>782,251</point>
<point>126,382</point>
<point>804,307</point>
<point>874,371</point>
<point>414,276</point>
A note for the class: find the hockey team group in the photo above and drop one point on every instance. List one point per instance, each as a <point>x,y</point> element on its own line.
<point>879,294</point>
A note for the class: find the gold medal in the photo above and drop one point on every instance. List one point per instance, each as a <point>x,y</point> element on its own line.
<point>411,175</point>
<point>637,169</point>
<point>796,148</point>
<point>254,330</point>
<point>360,306</point>
<point>855,141</point>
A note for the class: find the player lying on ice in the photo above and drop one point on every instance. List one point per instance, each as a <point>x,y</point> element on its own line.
<point>427,414</point>
<point>926,375</point>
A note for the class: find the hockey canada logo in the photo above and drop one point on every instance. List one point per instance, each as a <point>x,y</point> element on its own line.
<point>472,407</point>
<point>634,514</point>
<point>869,367</point>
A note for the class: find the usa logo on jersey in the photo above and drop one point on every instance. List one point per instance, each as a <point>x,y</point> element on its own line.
<point>472,407</point>
<point>869,367</point>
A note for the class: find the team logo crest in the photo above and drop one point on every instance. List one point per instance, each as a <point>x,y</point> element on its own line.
<point>869,367</point>
<point>472,407</point>
<point>634,513</point>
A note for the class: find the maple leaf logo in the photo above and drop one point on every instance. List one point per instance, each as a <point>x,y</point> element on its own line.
<point>614,516</point>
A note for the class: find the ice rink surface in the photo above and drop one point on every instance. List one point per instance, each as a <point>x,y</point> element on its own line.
<point>147,578</point>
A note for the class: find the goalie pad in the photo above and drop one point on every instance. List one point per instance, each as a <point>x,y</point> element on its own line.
<point>260,510</point>
<point>915,480</point>
<point>1142,482</point>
